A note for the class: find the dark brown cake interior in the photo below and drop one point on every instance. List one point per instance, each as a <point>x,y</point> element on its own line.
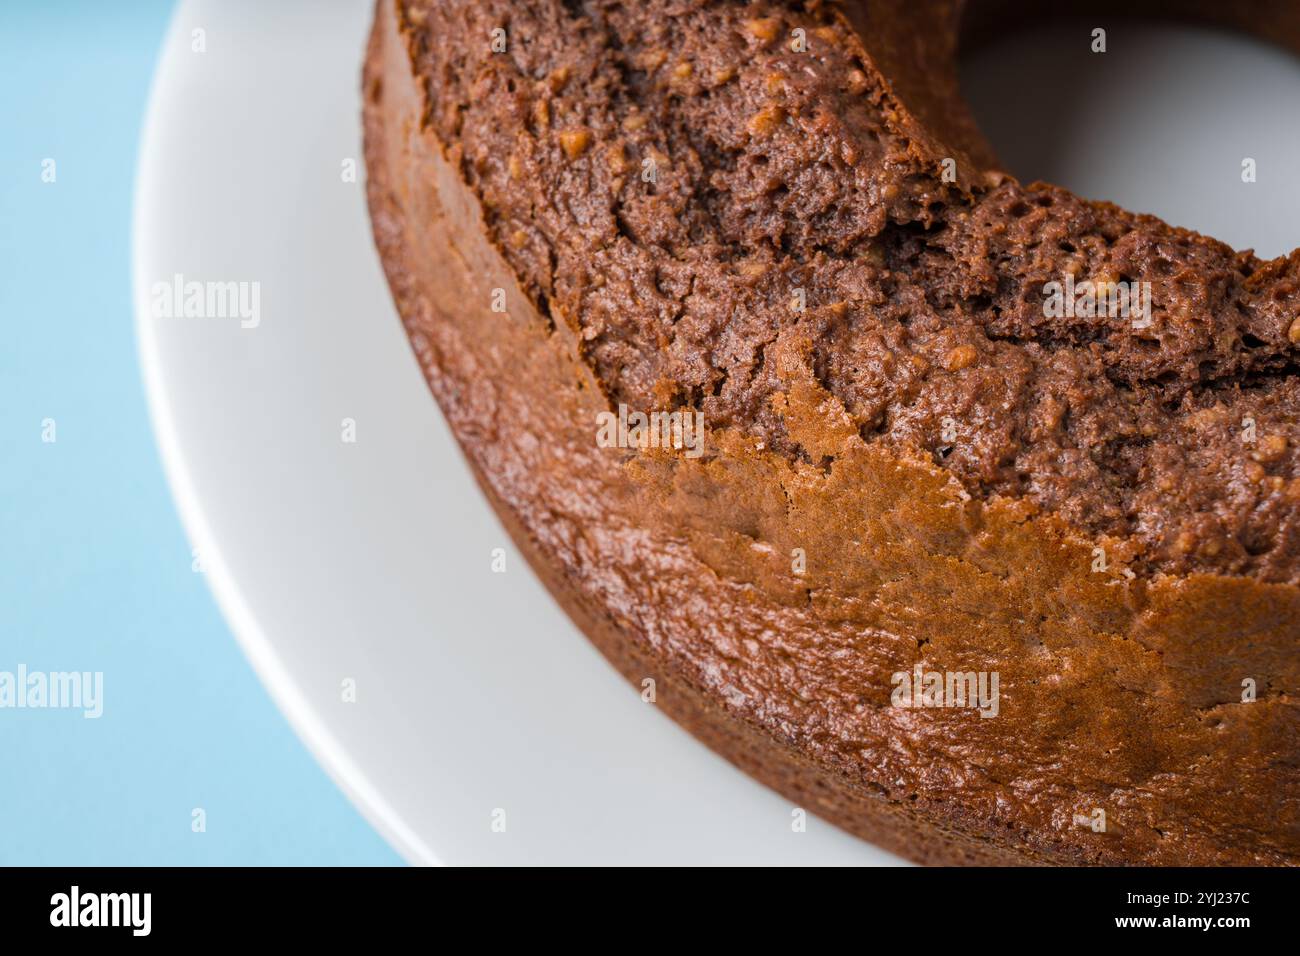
<point>667,179</point>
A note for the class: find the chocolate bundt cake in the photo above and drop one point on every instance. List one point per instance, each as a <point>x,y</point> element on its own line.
<point>964,513</point>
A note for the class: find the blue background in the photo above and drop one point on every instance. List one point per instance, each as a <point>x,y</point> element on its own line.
<point>94,567</point>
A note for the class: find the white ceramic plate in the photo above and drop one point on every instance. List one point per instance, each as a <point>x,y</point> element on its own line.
<point>370,562</point>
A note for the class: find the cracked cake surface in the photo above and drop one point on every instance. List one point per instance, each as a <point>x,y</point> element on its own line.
<point>778,170</point>
<point>781,216</point>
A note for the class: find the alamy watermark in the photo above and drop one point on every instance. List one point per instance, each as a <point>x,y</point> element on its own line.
<point>628,429</point>
<point>192,299</point>
<point>977,690</point>
<point>74,908</point>
<point>1100,299</point>
<point>53,690</point>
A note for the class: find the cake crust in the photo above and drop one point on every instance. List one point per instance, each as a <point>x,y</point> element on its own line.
<point>774,586</point>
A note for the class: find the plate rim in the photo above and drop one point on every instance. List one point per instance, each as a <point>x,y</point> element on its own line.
<point>274,676</point>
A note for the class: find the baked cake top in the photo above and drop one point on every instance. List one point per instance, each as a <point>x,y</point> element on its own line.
<point>717,201</point>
